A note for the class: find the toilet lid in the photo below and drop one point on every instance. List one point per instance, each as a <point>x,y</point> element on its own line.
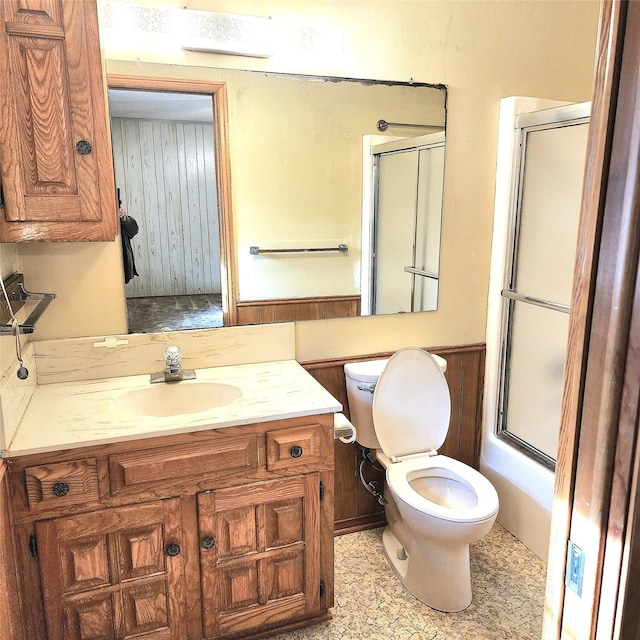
<point>411,404</point>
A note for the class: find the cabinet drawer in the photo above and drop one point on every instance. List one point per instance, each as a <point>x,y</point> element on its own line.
<point>62,483</point>
<point>297,447</point>
<point>220,456</point>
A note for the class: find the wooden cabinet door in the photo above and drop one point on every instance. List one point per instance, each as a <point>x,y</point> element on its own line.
<point>55,149</point>
<point>259,554</point>
<point>114,574</point>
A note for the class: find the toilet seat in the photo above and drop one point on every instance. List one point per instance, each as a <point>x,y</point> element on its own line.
<point>411,404</point>
<point>398,480</point>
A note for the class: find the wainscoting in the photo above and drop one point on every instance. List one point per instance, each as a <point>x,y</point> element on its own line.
<point>294,309</point>
<point>355,507</point>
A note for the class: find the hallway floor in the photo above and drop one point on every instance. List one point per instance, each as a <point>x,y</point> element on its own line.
<point>175,313</point>
<point>508,584</point>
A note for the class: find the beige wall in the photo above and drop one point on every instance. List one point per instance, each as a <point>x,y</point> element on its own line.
<point>9,259</point>
<point>296,176</point>
<point>9,263</point>
<point>482,51</point>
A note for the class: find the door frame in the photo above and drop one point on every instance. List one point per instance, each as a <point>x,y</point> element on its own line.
<point>218,93</point>
<point>596,503</point>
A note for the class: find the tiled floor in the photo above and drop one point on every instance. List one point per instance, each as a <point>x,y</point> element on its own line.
<point>508,586</point>
<point>175,313</point>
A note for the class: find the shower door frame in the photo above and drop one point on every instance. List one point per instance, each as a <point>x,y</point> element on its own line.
<point>569,115</point>
<point>427,142</point>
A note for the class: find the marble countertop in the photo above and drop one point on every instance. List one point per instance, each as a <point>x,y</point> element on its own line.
<point>77,414</point>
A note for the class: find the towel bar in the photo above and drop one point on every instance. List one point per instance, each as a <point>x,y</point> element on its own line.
<point>254,251</point>
<point>421,272</point>
<point>18,295</point>
<point>539,302</point>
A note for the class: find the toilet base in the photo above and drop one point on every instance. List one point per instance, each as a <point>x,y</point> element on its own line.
<point>436,573</point>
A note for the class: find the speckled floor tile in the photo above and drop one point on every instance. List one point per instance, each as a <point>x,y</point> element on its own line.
<point>508,584</point>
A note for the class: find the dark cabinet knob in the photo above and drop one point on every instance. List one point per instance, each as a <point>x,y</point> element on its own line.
<point>173,549</point>
<point>208,542</point>
<point>60,489</point>
<point>83,147</point>
<point>295,451</point>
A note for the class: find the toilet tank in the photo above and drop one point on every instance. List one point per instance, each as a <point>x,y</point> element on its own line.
<point>361,378</point>
<point>364,375</point>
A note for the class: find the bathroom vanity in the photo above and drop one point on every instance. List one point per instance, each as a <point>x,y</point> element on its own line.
<point>211,524</point>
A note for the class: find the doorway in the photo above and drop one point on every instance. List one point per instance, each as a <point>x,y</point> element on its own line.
<point>171,166</point>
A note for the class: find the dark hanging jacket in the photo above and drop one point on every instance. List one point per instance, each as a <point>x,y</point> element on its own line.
<point>128,229</point>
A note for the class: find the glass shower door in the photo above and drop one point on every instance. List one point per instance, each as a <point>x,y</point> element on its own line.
<point>407,222</point>
<point>538,283</point>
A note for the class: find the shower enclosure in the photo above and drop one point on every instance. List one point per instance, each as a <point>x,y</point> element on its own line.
<point>542,147</point>
<point>539,276</point>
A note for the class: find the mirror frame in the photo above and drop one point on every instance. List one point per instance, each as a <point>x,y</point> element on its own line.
<point>218,93</point>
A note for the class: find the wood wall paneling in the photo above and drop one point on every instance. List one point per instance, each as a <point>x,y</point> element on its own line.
<point>167,178</point>
<point>355,507</point>
<point>296,309</point>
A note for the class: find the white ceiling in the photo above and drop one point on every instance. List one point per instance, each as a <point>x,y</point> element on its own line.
<point>154,105</point>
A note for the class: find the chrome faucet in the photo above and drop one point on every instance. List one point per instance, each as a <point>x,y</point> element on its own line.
<point>173,371</point>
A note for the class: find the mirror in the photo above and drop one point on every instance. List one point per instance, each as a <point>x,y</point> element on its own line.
<point>307,162</point>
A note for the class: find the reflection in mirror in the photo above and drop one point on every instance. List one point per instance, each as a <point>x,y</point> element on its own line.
<point>404,266</point>
<point>308,165</point>
<point>166,179</point>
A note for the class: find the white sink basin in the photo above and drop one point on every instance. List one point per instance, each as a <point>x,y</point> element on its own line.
<point>176,398</point>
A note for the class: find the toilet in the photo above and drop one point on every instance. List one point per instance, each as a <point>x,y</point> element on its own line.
<point>436,506</point>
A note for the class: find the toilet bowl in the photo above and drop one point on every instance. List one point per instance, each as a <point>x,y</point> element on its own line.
<point>436,506</point>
